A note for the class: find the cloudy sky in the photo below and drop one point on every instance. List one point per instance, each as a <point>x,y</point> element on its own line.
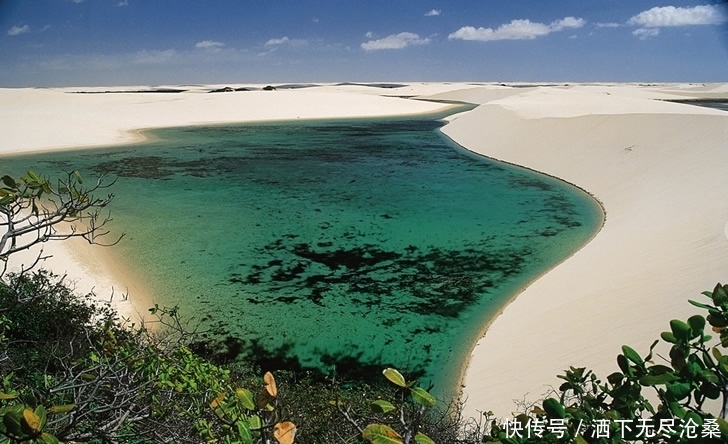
<point>149,42</point>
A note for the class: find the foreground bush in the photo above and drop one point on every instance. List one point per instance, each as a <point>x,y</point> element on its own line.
<point>73,372</point>
<point>589,410</point>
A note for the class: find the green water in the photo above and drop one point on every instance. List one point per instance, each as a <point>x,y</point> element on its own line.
<point>342,246</point>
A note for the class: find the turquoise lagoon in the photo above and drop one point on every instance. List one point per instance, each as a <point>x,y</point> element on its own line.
<point>339,246</point>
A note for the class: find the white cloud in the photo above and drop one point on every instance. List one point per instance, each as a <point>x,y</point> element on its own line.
<point>645,33</point>
<point>17,30</point>
<point>517,30</point>
<point>567,23</point>
<point>608,25</point>
<point>433,13</point>
<point>394,41</point>
<point>286,41</point>
<point>209,45</point>
<point>123,3</point>
<point>671,16</point>
<point>280,41</point>
<point>145,57</point>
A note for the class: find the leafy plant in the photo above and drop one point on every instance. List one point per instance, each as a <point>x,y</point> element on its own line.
<point>615,411</point>
<point>407,413</point>
<point>35,210</point>
<point>247,418</point>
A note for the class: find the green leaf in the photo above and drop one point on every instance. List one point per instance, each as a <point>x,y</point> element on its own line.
<point>580,440</point>
<point>676,409</point>
<point>246,398</point>
<point>62,408</point>
<point>12,419</point>
<point>632,355</point>
<point>720,297</point>
<point>678,390</point>
<point>421,438</point>
<point>723,426</point>
<point>7,396</point>
<point>244,432</point>
<point>648,358</point>
<point>624,365</point>
<point>255,422</point>
<point>41,413</point>
<point>78,176</point>
<point>33,176</point>
<point>422,397</point>
<point>381,434</point>
<point>680,329</point>
<point>554,408</point>
<point>700,304</point>
<point>708,360</point>
<point>659,369</point>
<point>677,357</point>
<point>697,325</point>
<point>710,391</point>
<point>9,182</point>
<point>49,439</point>
<point>652,380</point>
<point>723,365</point>
<point>709,376</point>
<point>382,406</point>
<point>717,320</point>
<point>615,378</point>
<point>394,377</point>
<point>717,354</point>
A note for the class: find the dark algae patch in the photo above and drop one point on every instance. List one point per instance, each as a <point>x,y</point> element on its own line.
<point>335,246</point>
<point>432,282</point>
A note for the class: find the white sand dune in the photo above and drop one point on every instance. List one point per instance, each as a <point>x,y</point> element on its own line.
<point>659,170</point>
<point>41,119</point>
<point>657,167</point>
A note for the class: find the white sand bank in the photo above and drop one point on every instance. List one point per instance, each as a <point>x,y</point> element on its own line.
<point>42,119</point>
<point>659,170</point>
<point>657,167</point>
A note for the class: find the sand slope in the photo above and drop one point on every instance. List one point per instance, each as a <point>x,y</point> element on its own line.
<point>659,170</point>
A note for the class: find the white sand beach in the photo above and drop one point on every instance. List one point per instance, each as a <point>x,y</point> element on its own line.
<point>658,169</point>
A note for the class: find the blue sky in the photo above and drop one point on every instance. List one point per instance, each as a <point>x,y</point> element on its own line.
<point>149,42</point>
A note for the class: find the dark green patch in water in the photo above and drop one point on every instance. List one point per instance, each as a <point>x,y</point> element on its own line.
<point>339,246</point>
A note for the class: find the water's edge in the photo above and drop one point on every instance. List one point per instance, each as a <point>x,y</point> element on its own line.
<point>459,389</point>
<point>457,371</point>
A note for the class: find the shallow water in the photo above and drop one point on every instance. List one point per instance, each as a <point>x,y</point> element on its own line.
<point>342,246</point>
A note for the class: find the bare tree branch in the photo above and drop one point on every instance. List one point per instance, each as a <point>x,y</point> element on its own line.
<point>33,211</point>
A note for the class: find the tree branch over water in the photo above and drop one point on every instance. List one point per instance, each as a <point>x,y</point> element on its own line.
<point>34,210</point>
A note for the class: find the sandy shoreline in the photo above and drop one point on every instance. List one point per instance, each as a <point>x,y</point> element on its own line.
<point>657,167</point>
